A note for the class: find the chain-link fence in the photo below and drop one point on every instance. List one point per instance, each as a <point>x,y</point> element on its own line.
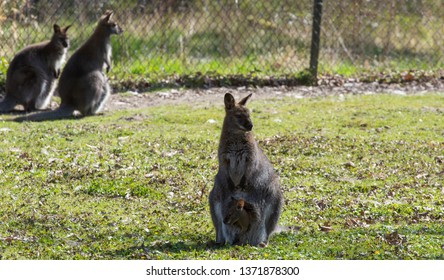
<point>376,35</point>
<point>164,38</point>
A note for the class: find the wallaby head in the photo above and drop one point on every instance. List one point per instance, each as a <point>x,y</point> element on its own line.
<point>60,37</point>
<point>235,209</point>
<point>108,25</point>
<point>236,114</point>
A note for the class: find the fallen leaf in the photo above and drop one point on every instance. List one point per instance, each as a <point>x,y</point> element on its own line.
<point>408,77</point>
<point>394,238</point>
<point>349,164</point>
<point>326,227</point>
<point>439,159</point>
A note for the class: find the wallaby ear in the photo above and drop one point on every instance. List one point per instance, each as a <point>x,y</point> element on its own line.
<point>229,101</point>
<point>56,28</point>
<point>240,204</point>
<point>107,16</point>
<point>244,100</point>
<point>66,28</point>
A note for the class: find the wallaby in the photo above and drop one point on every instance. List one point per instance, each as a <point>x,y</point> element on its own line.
<point>30,78</point>
<point>244,171</point>
<point>83,86</point>
<point>239,214</point>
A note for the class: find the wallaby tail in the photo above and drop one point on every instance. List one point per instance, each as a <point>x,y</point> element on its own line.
<point>60,113</point>
<point>7,105</point>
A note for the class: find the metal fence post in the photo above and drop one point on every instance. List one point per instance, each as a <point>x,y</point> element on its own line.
<point>315,38</point>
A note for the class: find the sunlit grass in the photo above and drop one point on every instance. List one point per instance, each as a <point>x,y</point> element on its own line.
<point>361,177</point>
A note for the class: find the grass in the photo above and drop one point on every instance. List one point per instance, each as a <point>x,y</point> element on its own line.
<point>362,178</point>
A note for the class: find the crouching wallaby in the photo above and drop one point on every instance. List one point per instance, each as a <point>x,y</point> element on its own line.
<point>83,86</point>
<point>241,215</point>
<point>244,171</point>
<point>30,78</point>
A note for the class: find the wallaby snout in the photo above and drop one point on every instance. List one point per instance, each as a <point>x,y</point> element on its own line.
<point>248,125</point>
<point>65,42</point>
<point>115,28</point>
<point>243,121</point>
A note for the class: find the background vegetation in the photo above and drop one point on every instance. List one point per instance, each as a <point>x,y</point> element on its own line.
<point>176,41</point>
<point>362,178</point>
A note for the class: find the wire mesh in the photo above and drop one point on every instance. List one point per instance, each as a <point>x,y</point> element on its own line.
<point>382,35</point>
<point>266,37</point>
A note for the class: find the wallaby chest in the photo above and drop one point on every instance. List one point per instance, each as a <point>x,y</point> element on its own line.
<point>235,158</point>
<point>108,52</point>
<point>60,60</point>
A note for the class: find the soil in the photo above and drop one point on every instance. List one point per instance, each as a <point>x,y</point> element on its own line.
<point>132,99</point>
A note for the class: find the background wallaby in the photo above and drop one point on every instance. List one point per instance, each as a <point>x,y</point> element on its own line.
<point>83,86</point>
<point>30,78</point>
<point>244,171</point>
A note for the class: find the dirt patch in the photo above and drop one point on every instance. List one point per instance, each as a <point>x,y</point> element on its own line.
<point>211,96</point>
<point>202,97</point>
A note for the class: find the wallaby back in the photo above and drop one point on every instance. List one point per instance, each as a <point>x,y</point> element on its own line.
<point>30,78</point>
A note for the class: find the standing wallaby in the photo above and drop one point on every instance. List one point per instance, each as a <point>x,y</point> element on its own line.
<point>244,170</point>
<point>30,78</point>
<point>83,86</point>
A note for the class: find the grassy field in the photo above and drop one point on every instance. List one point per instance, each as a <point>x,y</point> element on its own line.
<point>362,178</point>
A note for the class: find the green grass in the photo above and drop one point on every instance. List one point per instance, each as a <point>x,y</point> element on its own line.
<point>369,72</point>
<point>367,170</point>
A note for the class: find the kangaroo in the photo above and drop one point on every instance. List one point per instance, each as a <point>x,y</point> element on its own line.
<point>244,171</point>
<point>30,78</point>
<point>83,85</point>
